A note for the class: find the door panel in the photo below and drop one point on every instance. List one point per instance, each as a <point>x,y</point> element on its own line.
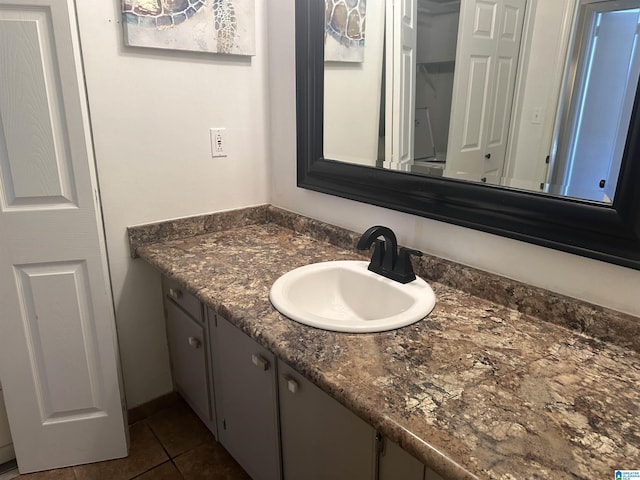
<point>489,40</point>
<point>499,113</point>
<point>475,111</point>
<point>58,347</point>
<point>504,81</point>
<point>401,84</point>
<point>56,309</point>
<point>30,101</point>
<point>484,24</point>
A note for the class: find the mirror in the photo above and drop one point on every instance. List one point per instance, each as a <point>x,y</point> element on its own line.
<point>609,232</point>
<point>528,94</point>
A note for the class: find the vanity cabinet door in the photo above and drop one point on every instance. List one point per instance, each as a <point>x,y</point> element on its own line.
<point>246,400</point>
<point>395,463</point>
<point>321,439</point>
<point>188,351</point>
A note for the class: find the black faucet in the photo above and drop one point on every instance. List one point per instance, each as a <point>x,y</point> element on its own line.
<point>386,260</point>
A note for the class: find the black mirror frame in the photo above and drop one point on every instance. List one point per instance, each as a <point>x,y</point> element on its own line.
<point>607,233</point>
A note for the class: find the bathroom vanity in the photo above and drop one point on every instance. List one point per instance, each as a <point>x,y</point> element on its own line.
<point>262,410</point>
<point>487,386</point>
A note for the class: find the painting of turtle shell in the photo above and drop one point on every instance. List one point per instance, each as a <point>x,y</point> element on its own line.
<point>345,22</point>
<point>217,26</point>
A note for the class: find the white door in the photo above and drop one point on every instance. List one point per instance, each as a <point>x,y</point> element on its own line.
<point>58,348</point>
<point>402,17</point>
<point>489,39</point>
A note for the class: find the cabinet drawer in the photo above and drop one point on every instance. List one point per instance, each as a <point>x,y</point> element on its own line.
<point>189,359</point>
<point>174,291</point>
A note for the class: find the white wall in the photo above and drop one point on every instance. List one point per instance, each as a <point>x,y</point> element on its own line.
<point>151,112</point>
<point>579,277</point>
<point>352,97</point>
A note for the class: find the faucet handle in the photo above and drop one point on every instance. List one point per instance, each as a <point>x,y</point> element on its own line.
<point>404,251</point>
<point>403,268</point>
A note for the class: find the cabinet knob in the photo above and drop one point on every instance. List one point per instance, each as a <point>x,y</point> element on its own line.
<point>194,342</point>
<point>260,362</point>
<point>175,293</point>
<point>292,385</point>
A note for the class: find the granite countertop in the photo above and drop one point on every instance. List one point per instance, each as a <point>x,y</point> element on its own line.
<point>476,390</point>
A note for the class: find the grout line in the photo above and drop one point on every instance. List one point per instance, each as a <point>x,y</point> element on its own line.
<point>153,468</point>
<point>159,441</point>
<point>163,448</point>
<point>177,469</point>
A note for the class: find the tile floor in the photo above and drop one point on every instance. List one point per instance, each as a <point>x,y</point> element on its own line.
<point>168,442</point>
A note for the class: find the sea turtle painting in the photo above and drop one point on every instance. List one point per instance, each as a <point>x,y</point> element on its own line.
<point>345,22</point>
<point>219,26</point>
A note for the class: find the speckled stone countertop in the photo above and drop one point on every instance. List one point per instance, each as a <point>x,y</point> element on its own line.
<point>479,389</point>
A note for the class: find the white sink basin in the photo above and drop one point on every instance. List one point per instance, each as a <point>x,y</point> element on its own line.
<point>344,296</point>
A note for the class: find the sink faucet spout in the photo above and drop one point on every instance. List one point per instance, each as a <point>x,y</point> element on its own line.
<point>385,260</point>
<point>385,252</point>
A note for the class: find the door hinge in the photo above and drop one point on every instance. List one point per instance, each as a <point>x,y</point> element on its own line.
<point>224,424</point>
<point>548,159</point>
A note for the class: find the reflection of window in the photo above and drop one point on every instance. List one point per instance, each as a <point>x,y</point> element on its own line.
<point>605,70</point>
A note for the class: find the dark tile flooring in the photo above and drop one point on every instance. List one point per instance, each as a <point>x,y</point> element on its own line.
<point>168,442</point>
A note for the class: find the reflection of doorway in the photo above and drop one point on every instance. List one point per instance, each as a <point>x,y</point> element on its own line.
<point>435,57</point>
<point>605,72</point>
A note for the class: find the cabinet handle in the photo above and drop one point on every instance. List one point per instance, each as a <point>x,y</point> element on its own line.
<point>292,385</point>
<point>260,362</point>
<point>175,293</point>
<point>194,342</point>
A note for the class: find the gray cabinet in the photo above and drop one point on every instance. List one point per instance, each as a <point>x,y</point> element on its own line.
<point>189,351</point>
<point>246,400</point>
<point>395,463</point>
<point>274,422</point>
<point>431,475</point>
<point>321,439</point>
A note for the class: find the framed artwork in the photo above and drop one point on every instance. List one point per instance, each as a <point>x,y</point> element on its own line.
<point>214,26</point>
<point>345,22</point>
